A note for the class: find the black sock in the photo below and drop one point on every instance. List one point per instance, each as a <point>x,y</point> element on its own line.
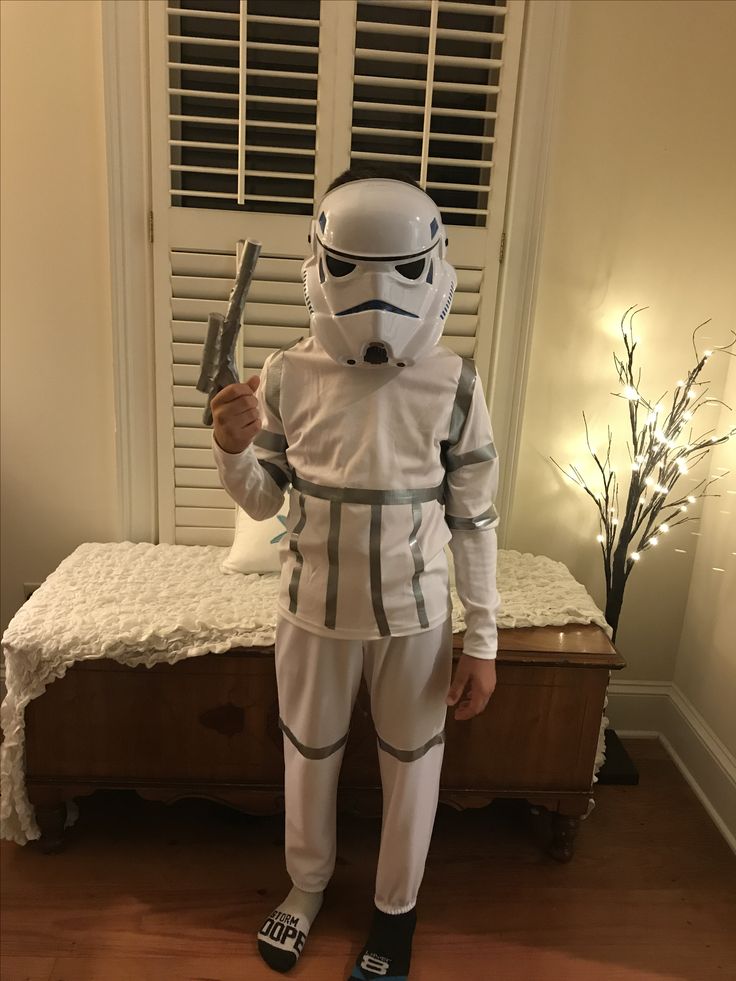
<point>387,953</point>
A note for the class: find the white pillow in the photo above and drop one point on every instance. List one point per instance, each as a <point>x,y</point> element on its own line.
<point>255,547</point>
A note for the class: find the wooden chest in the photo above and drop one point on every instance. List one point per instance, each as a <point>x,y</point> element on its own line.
<point>208,727</point>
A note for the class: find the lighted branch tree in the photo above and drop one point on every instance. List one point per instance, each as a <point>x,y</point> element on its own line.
<point>659,458</point>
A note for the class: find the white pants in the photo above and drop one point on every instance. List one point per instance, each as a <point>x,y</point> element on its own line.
<point>318,679</point>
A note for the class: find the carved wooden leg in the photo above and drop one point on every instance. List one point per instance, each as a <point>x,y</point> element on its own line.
<point>51,819</point>
<point>564,829</point>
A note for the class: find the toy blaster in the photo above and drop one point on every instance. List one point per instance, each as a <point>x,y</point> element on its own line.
<point>219,362</point>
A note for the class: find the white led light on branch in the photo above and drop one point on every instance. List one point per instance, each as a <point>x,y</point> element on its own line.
<point>660,455</point>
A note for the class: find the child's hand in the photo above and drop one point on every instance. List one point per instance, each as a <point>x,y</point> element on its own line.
<point>472,686</point>
<point>236,415</point>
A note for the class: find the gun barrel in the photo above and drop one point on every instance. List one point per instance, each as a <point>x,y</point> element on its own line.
<point>219,361</point>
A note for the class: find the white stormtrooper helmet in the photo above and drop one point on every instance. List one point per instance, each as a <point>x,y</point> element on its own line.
<point>377,285</point>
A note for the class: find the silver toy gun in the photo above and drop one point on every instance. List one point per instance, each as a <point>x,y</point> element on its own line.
<point>219,363</point>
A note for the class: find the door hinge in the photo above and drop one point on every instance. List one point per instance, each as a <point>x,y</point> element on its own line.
<point>502,250</point>
<point>150,226</point>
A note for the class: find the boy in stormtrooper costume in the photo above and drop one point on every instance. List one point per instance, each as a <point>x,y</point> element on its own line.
<point>383,439</point>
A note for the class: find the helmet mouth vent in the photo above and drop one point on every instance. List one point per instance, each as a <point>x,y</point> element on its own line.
<point>376,354</point>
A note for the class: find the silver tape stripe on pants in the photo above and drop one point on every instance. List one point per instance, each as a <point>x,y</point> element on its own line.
<point>333,550</point>
<point>310,752</point>
<point>410,755</point>
<point>294,546</point>
<point>416,510</point>
<point>375,565</point>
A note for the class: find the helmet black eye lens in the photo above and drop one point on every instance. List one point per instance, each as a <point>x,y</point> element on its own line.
<point>337,267</point>
<point>411,270</point>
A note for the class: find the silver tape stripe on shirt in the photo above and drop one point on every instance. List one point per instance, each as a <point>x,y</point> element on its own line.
<point>272,391</point>
<point>481,455</point>
<point>416,551</point>
<point>268,440</point>
<point>360,495</point>
<point>473,524</point>
<point>312,753</point>
<point>410,755</point>
<point>276,473</point>
<point>333,549</point>
<point>299,558</point>
<point>375,566</point>
<point>463,400</point>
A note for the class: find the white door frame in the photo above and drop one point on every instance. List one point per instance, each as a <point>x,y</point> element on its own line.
<point>126,80</point>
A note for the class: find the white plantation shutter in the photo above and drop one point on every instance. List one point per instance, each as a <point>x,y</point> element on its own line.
<point>275,316</point>
<point>256,105</point>
<point>434,87</point>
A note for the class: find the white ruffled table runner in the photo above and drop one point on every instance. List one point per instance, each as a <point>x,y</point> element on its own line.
<point>140,603</point>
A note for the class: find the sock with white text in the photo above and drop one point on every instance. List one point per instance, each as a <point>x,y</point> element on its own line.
<point>282,937</point>
<point>387,953</point>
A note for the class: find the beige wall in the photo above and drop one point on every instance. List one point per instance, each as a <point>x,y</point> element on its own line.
<point>641,209</point>
<point>58,454</point>
<point>706,661</point>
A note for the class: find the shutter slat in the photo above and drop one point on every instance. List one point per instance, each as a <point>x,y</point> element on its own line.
<point>214,69</point>
<point>218,290</point>
<point>298,21</point>
<point>205,517</point>
<point>200,459</point>
<point>209,120</point>
<point>437,160</point>
<point>199,477</point>
<point>465,8</point>
<point>204,94</point>
<point>209,265</point>
<point>217,42</point>
<point>204,536</point>
<point>281,47</point>
<point>209,14</point>
<point>203,497</point>
<point>189,395</point>
<point>195,437</point>
<point>464,346</point>
<point>270,174</point>
<point>419,110</point>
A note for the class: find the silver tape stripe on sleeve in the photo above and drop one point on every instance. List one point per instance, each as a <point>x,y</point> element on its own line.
<point>272,391</point>
<point>416,551</point>
<point>271,441</point>
<point>410,755</point>
<point>472,524</point>
<point>333,574</point>
<point>310,752</point>
<point>481,455</point>
<point>294,546</point>
<point>360,495</point>
<point>463,400</point>
<point>276,473</point>
<point>375,567</point>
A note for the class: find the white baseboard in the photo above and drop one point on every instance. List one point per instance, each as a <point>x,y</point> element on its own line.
<point>643,709</point>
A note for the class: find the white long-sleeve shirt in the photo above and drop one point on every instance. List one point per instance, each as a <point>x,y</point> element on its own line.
<point>385,467</point>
